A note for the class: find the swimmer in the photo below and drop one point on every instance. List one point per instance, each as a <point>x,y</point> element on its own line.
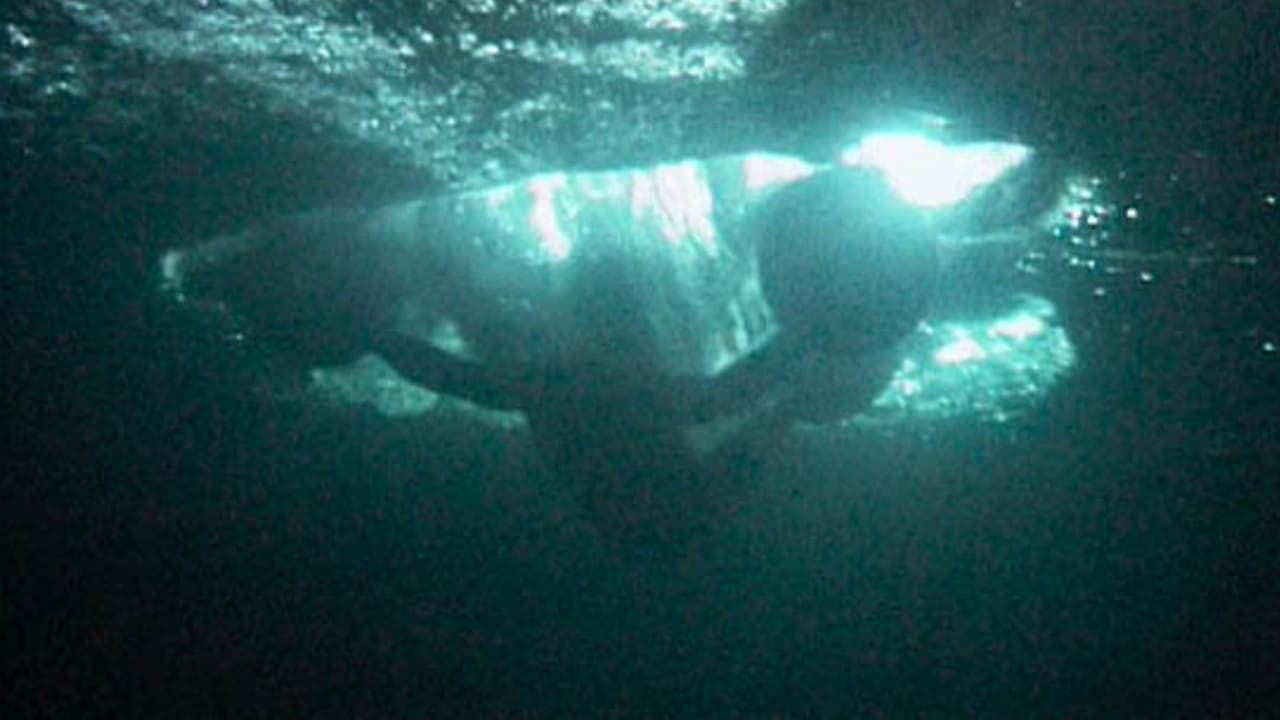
<point>660,328</point>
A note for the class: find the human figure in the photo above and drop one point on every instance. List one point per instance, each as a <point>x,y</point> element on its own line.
<point>655,325</point>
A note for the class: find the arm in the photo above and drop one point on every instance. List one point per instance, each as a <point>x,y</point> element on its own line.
<point>435,369</point>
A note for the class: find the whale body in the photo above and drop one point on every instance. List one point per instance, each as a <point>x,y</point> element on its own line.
<point>647,321</point>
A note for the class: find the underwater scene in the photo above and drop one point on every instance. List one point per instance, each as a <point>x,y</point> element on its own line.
<point>637,359</point>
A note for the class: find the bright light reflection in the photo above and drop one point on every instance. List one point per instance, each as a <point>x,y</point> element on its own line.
<point>929,174</point>
<point>961,350</point>
<point>1020,327</point>
<point>991,368</point>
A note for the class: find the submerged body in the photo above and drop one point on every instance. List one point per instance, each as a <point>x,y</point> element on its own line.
<point>645,266</point>
<point>649,322</point>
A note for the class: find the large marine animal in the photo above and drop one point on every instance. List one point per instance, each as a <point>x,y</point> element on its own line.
<point>653,324</point>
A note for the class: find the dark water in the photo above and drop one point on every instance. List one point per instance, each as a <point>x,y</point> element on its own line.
<point>178,541</point>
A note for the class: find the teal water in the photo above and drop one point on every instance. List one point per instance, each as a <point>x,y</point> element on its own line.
<point>185,534</point>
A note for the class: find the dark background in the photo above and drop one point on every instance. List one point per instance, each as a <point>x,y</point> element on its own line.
<point>176,541</point>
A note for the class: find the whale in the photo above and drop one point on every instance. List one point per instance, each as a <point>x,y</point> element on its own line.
<point>656,326</point>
